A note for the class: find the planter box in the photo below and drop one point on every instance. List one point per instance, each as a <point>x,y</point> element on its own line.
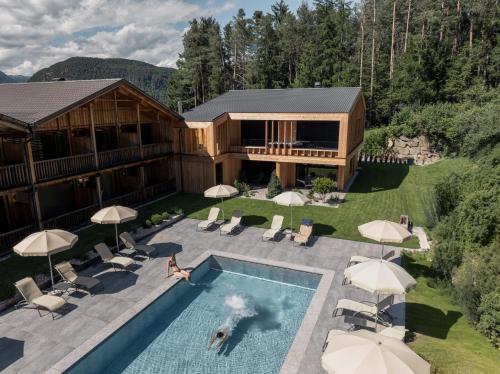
<point>142,233</point>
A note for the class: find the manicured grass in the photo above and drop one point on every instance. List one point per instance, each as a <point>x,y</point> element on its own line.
<point>442,335</point>
<point>380,191</point>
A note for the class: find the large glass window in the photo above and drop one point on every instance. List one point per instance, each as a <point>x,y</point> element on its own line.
<point>317,134</point>
<point>253,133</point>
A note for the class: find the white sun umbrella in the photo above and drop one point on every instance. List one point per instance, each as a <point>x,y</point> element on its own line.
<point>114,215</point>
<point>46,243</point>
<point>221,191</point>
<point>363,351</point>
<point>380,277</point>
<point>291,199</point>
<point>384,231</point>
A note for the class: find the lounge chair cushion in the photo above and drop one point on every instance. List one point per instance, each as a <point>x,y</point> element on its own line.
<point>122,261</point>
<point>86,282</point>
<point>356,306</point>
<point>205,224</point>
<point>148,249</point>
<point>270,234</point>
<point>275,227</point>
<point>233,224</point>
<point>49,302</point>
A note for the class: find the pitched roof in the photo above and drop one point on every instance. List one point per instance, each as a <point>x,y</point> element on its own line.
<point>288,100</point>
<point>36,102</point>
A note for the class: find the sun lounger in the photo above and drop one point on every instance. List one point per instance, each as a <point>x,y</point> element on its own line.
<point>358,259</point>
<point>331,334</point>
<point>397,332</point>
<point>32,295</point>
<point>68,274</point>
<point>144,249</point>
<point>232,226</point>
<point>363,308</point>
<point>275,228</point>
<point>212,218</point>
<point>304,234</point>
<point>115,261</point>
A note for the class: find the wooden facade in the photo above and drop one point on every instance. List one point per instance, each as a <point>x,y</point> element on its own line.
<point>117,148</point>
<point>221,142</point>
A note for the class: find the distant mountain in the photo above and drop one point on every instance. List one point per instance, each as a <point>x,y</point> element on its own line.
<point>4,78</point>
<point>19,78</point>
<point>150,78</point>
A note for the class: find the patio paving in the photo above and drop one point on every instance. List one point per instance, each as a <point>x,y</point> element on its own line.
<point>31,344</point>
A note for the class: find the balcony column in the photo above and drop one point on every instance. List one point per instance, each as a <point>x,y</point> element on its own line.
<point>96,156</point>
<point>117,120</point>
<point>35,198</point>
<point>139,136</point>
<point>272,137</point>
<point>265,138</point>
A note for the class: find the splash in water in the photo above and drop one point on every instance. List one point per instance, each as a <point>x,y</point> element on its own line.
<point>241,307</point>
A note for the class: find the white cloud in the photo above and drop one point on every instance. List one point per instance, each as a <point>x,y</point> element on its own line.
<point>37,33</point>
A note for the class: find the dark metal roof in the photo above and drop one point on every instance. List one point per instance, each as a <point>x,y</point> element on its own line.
<point>289,100</point>
<point>37,102</point>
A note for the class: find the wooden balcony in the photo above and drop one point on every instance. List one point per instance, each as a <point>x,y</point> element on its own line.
<point>71,219</point>
<point>13,176</point>
<point>156,150</point>
<point>118,156</point>
<point>295,152</point>
<point>64,166</point>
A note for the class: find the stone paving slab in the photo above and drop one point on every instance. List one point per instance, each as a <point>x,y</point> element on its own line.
<point>39,342</point>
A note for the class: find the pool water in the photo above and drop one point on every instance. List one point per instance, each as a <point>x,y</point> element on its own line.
<point>264,315</point>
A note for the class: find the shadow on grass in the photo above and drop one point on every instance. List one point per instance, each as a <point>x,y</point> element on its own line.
<point>379,177</point>
<point>321,229</point>
<point>426,320</point>
<point>253,220</point>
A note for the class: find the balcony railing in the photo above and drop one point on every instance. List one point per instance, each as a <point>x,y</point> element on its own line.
<point>13,175</point>
<point>11,238</point>
<point>296,152</point>
<point>156,149</point>
<point>71,219</point>
<point>58,167</point>
<point>118,156</point>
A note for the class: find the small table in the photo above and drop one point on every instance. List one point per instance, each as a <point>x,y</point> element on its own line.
<point>288,234</point>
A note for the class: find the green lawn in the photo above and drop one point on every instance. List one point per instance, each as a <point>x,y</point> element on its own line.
<point>442,335</point>
<point>380,191</point>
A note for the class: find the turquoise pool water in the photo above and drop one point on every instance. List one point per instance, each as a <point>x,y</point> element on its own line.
<point>263,306</point>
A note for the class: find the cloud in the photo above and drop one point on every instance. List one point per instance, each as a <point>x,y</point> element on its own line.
<point>37,33</point>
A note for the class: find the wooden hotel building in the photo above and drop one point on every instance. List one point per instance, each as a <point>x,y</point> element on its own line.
<point>68,148</point>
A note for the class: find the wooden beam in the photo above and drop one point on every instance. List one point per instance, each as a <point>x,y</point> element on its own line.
<point>69,133</point>
<point>139,135</point>
<point>290,159</point>
<point>35,197</point>
<point>289,116</point>
<point>92,135</point>
<point>265,137</point>
<point>272,137</point>
<point>117,120</point>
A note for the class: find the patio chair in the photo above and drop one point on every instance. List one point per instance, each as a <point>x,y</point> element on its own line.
<point>32,295</point>
<point>358,259</point>
<point>109,258</point>
<point>79,282</point>
<point>304,234</point>
<point>208,223</point>
<point>233,225</point>
<point>275,228</point>
<point>143,249</point>
<point>365,308</point>
<point>357,323</point>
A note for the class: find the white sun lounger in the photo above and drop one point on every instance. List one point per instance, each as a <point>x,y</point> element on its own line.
<point>364,308</point>
<point>130,243</point>
<point>358,259</point>
<point>275,228</point>
<point>79,282</point>
<point>232,226</point>
<point>212,218</point>
<point>32,295</point>
<point>108,257</point>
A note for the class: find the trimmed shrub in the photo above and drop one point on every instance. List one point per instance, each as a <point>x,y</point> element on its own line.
<point>322,186</point>
<point>274,186</point>
<point>489,323</point>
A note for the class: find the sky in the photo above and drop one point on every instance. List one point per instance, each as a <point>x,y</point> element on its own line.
<point>38,33</point>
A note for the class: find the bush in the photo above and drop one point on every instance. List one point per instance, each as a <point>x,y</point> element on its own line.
<point>156,219</point>
<point>178,211</point>
<point>164,216</point>
<point>323,185</point>
<point>245,189</point>
<point>489,322</point>
<point>238,185</point>
<point>274,186</point>
<point>148,223</point>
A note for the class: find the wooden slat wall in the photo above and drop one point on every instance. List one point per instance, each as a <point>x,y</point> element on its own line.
<point>198,173</point>
<point>286,173</point>
<point>231,169</point>
<point>356,126</point>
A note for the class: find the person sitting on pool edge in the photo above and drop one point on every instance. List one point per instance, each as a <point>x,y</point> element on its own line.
<point>177,271</point>
<point>220,336</point>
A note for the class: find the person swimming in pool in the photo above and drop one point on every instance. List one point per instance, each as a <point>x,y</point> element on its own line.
<point>218,338</point>
<point>177,271</point>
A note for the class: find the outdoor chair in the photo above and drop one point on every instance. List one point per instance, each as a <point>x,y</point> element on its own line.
<point>144,249</point>
<point>357,323</point>
<point>365,308</point>
<point>275,228</point>
<point>32,295</point>
<point>212,218</point>
<point>358,259</point>
<point>108,257</point>
<point>69,274</point>
<point>232,226</point>
<point>304,235</point>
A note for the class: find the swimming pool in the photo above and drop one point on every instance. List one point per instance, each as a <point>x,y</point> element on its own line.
<point>264,305</point>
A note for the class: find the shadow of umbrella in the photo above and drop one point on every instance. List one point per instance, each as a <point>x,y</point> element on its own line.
<point>166,249</point>
<point>116,281</point>
<point>12,350</point>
